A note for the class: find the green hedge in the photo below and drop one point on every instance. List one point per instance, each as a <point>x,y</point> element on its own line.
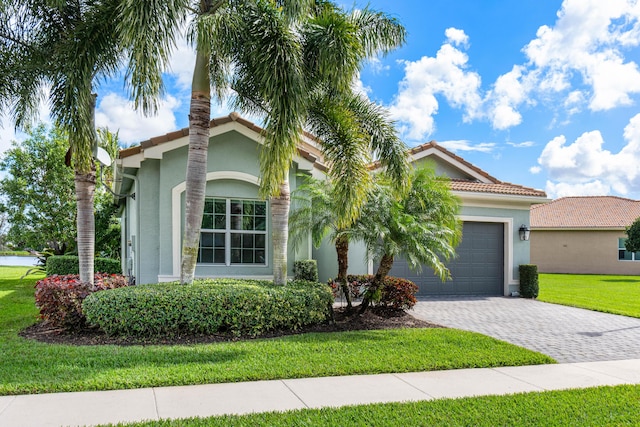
<point>236,307</point>
<point>68,264</point>
<point>529,286</point>
<point>306,269</point>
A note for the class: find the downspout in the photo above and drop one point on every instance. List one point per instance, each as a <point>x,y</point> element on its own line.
<point>136,183</point>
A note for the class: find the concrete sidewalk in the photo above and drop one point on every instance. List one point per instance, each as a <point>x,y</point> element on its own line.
<point>100,407</point>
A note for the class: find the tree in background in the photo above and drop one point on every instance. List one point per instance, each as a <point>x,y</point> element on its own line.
<point>56,51</point>
<point>632,244</point>
<point>38,196</point>
<point>38,192</point>
<point>420,224</point>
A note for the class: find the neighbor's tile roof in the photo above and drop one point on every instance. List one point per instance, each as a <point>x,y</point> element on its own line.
<point>586,212</point>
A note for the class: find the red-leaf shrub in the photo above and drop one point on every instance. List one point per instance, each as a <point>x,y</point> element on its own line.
<point>59,298</point>
<point>396,293</point>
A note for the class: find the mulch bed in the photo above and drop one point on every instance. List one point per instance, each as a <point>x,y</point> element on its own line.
<point>374,318</point>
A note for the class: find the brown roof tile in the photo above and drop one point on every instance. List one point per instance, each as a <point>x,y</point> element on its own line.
<point>495,188</point>
<point>586,212</point>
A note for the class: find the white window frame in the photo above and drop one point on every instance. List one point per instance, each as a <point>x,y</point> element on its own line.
<point>228,231</point>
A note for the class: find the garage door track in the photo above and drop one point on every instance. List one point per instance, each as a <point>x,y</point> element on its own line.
<point>567,334</point>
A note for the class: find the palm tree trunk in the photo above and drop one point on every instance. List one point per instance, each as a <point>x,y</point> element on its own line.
<point>196,177</point>
<point>280,217</point>
<point>342,249</point>
<point>85,187</point>
<point>378,281</point>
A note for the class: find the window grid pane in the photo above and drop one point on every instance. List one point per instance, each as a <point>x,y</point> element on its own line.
<point>248,221</point>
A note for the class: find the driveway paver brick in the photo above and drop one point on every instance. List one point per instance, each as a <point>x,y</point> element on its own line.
<point>567,334</point>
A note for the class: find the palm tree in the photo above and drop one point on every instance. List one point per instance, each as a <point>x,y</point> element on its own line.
<point>317,63</point>
<point>421,224</point>
<point>217,31</point>
<point>56,51</point>
<point>349,133</point>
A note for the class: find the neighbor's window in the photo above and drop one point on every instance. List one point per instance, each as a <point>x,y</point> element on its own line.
<point>233,232</point>
<point>623,254</point>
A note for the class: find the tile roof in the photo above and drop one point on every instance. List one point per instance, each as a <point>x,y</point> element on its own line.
<point>313,154</point>
<point>306,150</point>
<point>495,188</point>
<point>436,146</point>
<point>586,212</point>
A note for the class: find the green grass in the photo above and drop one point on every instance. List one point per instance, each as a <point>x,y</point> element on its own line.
<point>610,294</point>
<point>33,367</point>
<point>15,253</point>
<point>601,406</point>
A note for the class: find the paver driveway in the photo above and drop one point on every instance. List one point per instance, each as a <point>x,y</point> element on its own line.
<point>567,334</point>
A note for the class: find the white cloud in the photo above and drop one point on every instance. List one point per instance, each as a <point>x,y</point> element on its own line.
<point>457,37</point>
<point>535,170</point>
<point>117,113</point>
<point>587,40</point>
<point>564,189</point>
<point>446,75</point>
<point>377,66</point>
<point>182,64</point>
<point>585,167</point>
<point>524,144</point>
<point>7,134</point>
<point>465,145</point>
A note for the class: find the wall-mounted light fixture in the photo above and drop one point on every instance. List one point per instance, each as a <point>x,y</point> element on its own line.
<point>524,232</point>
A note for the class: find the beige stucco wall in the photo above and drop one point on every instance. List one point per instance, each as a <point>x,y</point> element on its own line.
<point>579,252</point>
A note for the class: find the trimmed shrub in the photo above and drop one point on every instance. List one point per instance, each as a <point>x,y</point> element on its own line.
<point>396,293</point>
<point>68,264</point>
<point>59,298</point>
<point>229,306</point>
<point>529,286</point>
<point>306,269</point>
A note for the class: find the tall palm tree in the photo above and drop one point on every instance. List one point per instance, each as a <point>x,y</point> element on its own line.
<point>317,61</point>
<point>217,30</point>
<point>56,51</point>
<point>421,224</point>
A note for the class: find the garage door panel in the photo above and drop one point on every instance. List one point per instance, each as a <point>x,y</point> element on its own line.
<point>477,270</point>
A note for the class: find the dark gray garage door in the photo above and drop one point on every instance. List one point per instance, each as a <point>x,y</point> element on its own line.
<point>478,269</point>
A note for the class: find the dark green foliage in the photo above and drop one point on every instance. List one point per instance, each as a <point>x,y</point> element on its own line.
<point>306,269</point>
<point>38,189</point>
<point>396,293</point>
<point>235,307</point>
<point>529,281</point>
<point>632,244</point>
<point>68,264</point>
<point>59,298</point>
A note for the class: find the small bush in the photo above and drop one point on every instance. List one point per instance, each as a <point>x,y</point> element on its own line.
<point>59,298</point>
<point>529,286</point>
<point>68,264</point>
<point>396,293</point>
<point>235,307</point>
<point>306,269</point>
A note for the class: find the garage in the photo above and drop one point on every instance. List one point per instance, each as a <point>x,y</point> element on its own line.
<point>478,269</point>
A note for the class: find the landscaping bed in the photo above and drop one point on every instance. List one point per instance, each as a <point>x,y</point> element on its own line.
<point>375,318</point>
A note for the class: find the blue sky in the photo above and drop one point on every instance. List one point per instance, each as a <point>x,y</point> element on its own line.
<point>540,93</point>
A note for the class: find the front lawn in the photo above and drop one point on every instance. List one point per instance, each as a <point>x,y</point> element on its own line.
<point>610,294</point>
<point>601,406</point>
<point>33,367</point>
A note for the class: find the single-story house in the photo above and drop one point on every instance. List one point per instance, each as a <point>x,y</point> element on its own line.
<point>153,175</point>
<point>584,235</point>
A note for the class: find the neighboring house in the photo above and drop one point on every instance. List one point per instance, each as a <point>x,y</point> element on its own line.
<point>584,235</point>
<point>236,238</point>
